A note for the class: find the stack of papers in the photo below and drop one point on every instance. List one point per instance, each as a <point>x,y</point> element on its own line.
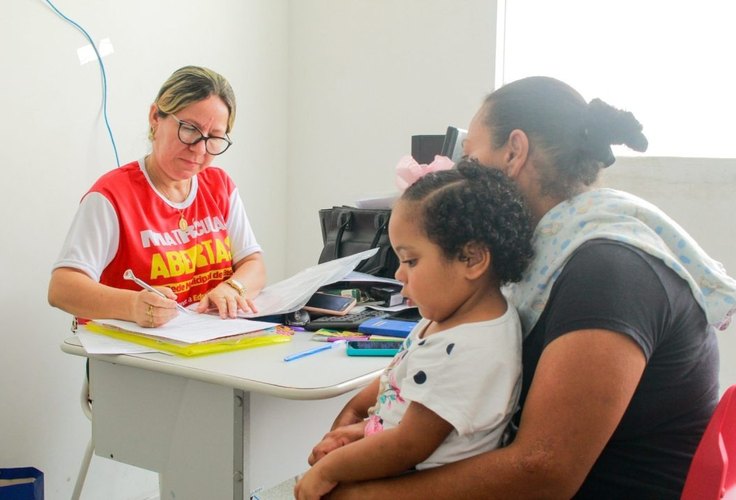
<point>191,328</point>
<point>194,334</point>
<point>186,335</point>
<point>292,293</point>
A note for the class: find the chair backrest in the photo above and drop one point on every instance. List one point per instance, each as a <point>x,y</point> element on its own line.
<point>711,476</point>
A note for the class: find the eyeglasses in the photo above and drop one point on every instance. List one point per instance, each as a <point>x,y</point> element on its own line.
<point>191,135</point>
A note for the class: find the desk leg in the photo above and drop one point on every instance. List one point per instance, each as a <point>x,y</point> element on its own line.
<point>241,445</point>
<point>196,467</point>
<point>192,433</point>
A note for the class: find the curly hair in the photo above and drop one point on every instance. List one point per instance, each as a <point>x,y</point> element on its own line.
<point>473,203</point>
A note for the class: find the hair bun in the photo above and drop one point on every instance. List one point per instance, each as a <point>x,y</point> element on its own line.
<point>606,126</point>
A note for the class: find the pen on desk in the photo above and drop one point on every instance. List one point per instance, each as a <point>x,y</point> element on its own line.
<point>313,350</point>
<point>128,275</point>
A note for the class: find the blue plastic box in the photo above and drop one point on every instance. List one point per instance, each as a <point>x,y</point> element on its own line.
<point>21,483</point>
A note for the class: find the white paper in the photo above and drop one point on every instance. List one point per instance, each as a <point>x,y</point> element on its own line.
<point>369,278</point>
<point>285,296</point>
<point>192,328</point>
<point>386,201</point>
<point>292,293</point>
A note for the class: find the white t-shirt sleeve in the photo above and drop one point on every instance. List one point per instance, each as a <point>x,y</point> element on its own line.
<point>93,238</point>
<point>242,238</point>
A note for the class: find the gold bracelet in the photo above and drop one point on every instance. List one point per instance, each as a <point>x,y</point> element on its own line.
<point>237,286</point>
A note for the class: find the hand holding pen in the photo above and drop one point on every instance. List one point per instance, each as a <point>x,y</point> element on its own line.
<point>156,312</point>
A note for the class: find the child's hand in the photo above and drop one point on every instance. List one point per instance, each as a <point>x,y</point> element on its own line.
<point>313,485</point>
<point>335,439</point>
<point>329,443</point>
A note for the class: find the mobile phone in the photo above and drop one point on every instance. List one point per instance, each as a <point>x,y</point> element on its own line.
<point>325,303</point>
<point>373,347</point>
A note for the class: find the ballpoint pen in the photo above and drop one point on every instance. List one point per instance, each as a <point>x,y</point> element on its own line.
<point>128,275</point>
<point>314,350</point>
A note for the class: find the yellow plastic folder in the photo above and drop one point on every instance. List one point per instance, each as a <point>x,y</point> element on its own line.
<point>256,339</point>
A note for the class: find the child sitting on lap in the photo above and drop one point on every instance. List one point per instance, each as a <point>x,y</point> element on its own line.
<point>451,390</point>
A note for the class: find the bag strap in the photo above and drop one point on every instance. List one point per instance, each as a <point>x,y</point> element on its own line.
<point>344,219</point>
<point>381,222</point>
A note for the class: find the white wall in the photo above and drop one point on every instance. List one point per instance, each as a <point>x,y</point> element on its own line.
<point>326,90</point>
<point>329,93</point>
<point>54,145</point>
<point>365,76</point>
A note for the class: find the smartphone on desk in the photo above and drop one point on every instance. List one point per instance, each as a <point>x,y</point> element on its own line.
<point>373,347</point>
<point>326,303</point>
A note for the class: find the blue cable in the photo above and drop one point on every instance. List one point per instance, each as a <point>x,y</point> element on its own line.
<point>104,77</point>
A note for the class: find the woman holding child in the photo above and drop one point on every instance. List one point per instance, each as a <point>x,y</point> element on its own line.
<point>619,309</point>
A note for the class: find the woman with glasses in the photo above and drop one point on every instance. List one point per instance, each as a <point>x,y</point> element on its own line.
<point>178,223</point>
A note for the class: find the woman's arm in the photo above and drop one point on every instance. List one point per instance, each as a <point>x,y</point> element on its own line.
<point>384,454</point>
<point>582,385</point>
<point>73,291</point>
<point>251,273</point>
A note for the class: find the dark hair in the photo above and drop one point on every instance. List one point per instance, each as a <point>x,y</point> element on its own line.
<point>473,203</point>
<point>573,137</point>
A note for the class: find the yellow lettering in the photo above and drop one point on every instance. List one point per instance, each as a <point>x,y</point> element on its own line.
<point>223,252</point>
<point>176,263</point>
<point>201,258</point>
<point>192,257</point>
<point>179,262</point>
<point>210,255</point>
<point>158,267</point>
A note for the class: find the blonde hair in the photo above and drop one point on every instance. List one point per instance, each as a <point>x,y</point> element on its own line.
<point>192,84</point>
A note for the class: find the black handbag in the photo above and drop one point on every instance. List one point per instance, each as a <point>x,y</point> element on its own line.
<point>349,230</point>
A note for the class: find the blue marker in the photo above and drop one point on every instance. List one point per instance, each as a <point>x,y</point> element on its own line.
<point>314,350</point>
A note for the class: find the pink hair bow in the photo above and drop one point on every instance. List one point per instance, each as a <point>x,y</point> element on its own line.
<point>408,171</point>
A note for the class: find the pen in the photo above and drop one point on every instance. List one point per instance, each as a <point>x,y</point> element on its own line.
<point>313,350</point>
<point>128,275</point>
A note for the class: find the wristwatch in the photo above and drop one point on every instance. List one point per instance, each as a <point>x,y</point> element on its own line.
<point>237,286</point>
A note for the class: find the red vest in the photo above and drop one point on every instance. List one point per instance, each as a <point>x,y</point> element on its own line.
<point>190,262</point>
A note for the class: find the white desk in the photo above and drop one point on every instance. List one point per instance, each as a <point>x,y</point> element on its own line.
<point>191,419</point>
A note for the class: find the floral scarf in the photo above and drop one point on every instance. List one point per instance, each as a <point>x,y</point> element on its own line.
<point>620,216</point>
